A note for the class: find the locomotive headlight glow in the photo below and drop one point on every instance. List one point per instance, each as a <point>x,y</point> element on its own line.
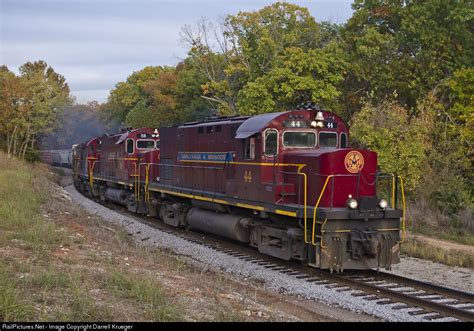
<point>383,203</point>
<point>314,124</point>
<point>352,203</point>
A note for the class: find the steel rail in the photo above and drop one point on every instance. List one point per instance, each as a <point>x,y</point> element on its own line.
<point>428,305</point>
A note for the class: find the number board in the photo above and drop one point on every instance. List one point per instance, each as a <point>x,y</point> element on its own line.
<point>295,124</point>
<point>330,125</point>
<point>144,135</point>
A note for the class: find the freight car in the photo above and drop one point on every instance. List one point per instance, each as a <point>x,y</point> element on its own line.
<point>286,183</point>
<point>57,157</point>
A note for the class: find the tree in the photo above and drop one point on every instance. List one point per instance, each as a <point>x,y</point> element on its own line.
<point>126,95</point>
<point>31,104</point>
<point>401,142</point>
<point>406,47</point>
<point>297,76</point>
<point>255,51</point>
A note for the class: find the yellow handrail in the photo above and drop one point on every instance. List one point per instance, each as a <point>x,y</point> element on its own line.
<point>322,233</point>
<point>91,174</point>
<point>305,196</point>
<point>393,190</point>
<point>316,207</point>
<point>404,208</point>
<point>147,191</point>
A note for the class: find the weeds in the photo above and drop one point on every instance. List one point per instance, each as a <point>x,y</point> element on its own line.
<point>413,247</point>
<point>13,306</point>
<point>151,296</point>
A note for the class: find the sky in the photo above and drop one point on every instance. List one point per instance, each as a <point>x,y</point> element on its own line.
<point>95,44</point>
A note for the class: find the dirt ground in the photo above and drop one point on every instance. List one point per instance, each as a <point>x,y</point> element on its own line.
<point>449,245</point>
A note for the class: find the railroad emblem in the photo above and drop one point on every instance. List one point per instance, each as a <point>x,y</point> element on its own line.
<point>354,162</point>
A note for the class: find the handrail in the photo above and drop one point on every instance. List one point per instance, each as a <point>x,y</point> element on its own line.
<point>305,196</point>
<point>316,207</point>
<point>393,190</point>
<point>322,233</point>
<point>91,174</point>
<point>404,208</point>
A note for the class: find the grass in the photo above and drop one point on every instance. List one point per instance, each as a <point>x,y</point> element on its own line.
<point>415,248</point>
<point>13,305</point>
<point>429,222</point>
<point>32,288</point>
<point>451,233</point>
<point>147,292</point>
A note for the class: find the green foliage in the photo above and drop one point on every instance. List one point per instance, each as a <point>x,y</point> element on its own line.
<point>401,141</point>
<point>456,121</point>
<point>407,47</point>
<point>450,194</point>
<point>262,36</point>
<point>156,96</point>
<point>297,76</point>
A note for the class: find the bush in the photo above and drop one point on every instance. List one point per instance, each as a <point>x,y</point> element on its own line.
<point>451,195</point>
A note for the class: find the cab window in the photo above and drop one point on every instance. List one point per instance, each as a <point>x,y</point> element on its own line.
<point>327,139</point>
<point>343,140</point>
<point>130,146</point>
<point>145,144</point>
<point>271,142</point>
<point>299,139</point>
<point>249,148</point>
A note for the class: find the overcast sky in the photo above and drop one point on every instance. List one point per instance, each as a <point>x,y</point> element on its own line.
<point>97,43</point>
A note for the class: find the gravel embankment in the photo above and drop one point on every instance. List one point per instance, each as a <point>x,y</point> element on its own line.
<point>214,260</point>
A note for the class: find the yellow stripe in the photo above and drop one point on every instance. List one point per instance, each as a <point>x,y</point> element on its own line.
<point>251,163</point>
<point>197,197</point>
<point>244,205</point>
<point>284,212</point>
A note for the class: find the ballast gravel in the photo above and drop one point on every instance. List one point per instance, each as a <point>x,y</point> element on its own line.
<point>271,279</point>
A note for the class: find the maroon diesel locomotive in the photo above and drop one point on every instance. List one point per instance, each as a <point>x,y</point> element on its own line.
<point>286,183</point>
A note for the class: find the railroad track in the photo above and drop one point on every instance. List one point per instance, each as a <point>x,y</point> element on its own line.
<point>430,301</point>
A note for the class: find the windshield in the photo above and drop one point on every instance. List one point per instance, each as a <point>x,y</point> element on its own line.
<point>299,139</point>
<point>145,144</point>
<point>327,139</point>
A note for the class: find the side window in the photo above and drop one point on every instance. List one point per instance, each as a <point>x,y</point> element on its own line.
<point>129,146</point>
<point>249,148</point>
<point>233,130</point>
<point>271,142</point>
<point>157,144</point>
<point>343,140</point>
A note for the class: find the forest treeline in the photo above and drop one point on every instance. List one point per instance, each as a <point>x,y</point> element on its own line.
<point>399,72</point>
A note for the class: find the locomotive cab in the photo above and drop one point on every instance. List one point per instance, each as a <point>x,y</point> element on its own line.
<point>306,162</point>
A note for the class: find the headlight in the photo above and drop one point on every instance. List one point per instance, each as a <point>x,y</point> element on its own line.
<point>383,203</point>
<point>352,203</point>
